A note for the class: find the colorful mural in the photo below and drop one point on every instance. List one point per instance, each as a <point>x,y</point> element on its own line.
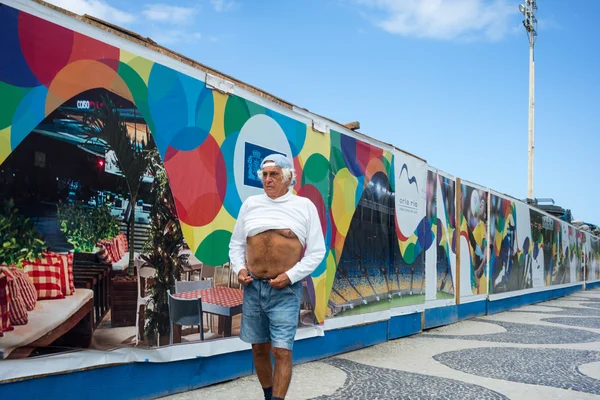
<point>473,222</point>
<point>441,258</point>
<point>208,141</point>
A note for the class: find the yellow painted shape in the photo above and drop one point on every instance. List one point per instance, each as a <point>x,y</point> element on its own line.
<point>320,299</point>
<point>142,66</point>
<point>4,144</point>
<point>194,235</point>
<point>343,203</point>
<point>483,285</point>
<point>388,155</point>
<point>331,269</point>
<point>403,245</point>
<point>217,130</point>
<point>315,143</point>
<point>126,57</point>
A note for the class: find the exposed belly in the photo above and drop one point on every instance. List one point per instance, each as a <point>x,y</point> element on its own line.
<point>273,252</point>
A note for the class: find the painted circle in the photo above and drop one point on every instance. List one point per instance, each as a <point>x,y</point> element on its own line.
<point>262,131</point>
<point>198,181</point>
<point>214,249</point>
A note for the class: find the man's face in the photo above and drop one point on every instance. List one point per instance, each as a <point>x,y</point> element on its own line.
<point>273,183</point>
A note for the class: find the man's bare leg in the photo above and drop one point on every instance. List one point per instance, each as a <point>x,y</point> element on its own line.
<point>262,362</point>
<point>283,371</point>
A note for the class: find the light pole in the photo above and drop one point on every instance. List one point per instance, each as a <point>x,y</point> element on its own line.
<point>530,22</point>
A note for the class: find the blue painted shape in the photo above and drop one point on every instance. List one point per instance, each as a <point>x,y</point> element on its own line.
<point>339,341</point>
<point>134,381</point>
<point>253,157</point>
<point>166,92</point>
<point>472,310</point>
<point>295,131</point>
<point>232,202</point>
<point>28,115</point>
<point>592,285</point>
<point>404,325</point>
<point>440,316</point>
<point>509,303</point>
<point>14,69</point>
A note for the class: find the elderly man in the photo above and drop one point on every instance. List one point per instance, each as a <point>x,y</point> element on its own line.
<point>277,241</point>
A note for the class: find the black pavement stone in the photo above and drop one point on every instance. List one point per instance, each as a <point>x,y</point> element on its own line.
<point>592,304</point>
<point>589,322</point>
<point>374,383</point>
<point>526,334</point>
<point>547,367</point>
<point>590,310</point>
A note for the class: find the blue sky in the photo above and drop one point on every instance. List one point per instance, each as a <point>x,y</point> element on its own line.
<point>446,80</point>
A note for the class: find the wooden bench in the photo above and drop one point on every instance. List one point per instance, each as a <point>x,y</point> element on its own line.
<point>62,322</point>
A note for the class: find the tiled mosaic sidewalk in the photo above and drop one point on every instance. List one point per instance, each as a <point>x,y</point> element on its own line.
<point>545,351</point>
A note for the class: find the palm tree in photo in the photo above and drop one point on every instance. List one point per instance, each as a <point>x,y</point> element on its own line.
<point>108,124</point>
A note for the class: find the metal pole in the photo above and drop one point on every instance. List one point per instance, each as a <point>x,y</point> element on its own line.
<point>530,23</point>
<point>531,123</point>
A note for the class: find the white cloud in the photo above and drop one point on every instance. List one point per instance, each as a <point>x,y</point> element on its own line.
<point>96,8</point>
<point>445,19</point>
<point>166,13</point>
<point>223,5</point>
<point>170,37</point>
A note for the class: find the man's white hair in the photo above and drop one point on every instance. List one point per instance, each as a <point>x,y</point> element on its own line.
<point>289,174</point>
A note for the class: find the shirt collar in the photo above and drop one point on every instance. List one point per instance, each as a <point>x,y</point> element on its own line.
<point>281,199</point>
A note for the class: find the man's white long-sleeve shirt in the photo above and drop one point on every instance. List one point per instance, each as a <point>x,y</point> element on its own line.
<point>261,213</point>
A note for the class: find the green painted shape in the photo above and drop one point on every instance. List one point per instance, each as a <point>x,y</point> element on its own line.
<point>409,255</point>
<point>316,169</point>
<point>255,109</point>
<point>214,250</point>
<point>389,170</point>
<point>337,160</point>
<point>139,91</point>
<point>236,114</point>
<point>11,98</point>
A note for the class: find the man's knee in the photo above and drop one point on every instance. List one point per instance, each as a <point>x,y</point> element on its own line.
<point>261,349</point>
<point>281,354</point>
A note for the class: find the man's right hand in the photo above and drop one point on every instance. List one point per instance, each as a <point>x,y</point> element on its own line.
<point>243,277</point>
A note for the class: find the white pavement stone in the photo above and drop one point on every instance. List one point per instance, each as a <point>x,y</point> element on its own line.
<point>468,328</point>
<point>416,354</point>
<point>592,369</point>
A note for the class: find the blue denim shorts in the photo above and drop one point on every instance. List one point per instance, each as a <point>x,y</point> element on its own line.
<point>270,315</point>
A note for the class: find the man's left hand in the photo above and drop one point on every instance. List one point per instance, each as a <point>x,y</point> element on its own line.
<point>280,282</point>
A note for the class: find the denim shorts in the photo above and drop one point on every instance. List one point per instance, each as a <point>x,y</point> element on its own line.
<point>270,315</point>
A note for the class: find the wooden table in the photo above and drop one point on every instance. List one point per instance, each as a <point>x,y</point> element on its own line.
<point>222,301</point>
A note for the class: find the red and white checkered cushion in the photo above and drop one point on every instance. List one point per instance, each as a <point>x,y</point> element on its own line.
<point>5,324</point>
<point>67,281</point>
<point>113,250</point>
<point>122,245</point>
<point>46,279</point>
<point>103,253</point>
<point>17,309</point>
<point>26,286</point>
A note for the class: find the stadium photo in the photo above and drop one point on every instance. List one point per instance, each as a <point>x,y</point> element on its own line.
<point>372,275</point>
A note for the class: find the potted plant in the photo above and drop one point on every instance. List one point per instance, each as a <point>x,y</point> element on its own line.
<point>19,240</point>
<point>85,227</point>
<point>161,252</point>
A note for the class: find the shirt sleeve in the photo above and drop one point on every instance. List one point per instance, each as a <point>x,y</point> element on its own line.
<point>237,245</point>
<point>315,247</point>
